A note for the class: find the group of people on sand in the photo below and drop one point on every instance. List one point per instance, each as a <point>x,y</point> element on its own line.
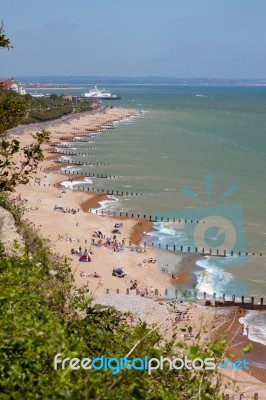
<point>94,275</point>
<point>108,242</point>
<point>80,251</point>
<point>70,211</point>
<point>84,255</point>
<point>98,234</point>
<point>18,200</point>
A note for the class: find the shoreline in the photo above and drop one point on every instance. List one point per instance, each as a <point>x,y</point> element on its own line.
<point>94,199</point>
<point>231,329</point>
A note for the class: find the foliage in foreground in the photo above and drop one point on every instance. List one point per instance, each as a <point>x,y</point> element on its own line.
<point>41,317</point>
<point>17,163</point>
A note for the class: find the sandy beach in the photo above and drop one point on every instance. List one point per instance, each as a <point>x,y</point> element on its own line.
<point>59,214</point>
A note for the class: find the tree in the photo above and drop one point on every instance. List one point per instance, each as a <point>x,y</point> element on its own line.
<point>4,41</point>
<point>17,163</point>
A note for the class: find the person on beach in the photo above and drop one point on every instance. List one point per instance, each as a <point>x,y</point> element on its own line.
<point>247,330</point>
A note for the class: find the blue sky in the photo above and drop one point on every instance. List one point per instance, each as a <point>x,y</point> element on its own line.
<point>171,38</point>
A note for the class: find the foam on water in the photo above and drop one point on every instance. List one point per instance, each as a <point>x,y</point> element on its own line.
<point>70,168</point>
<point>213,278</point>
<point>64,157</point>
<point>165,235</point>
<point>71,185</point>
<point>212,274</point>
<point>111,205</point>
<point>256,320</point>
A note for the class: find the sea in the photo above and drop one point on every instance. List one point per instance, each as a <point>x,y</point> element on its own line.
<point>194,156</point>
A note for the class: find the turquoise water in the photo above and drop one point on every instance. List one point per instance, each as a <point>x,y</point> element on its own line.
<point>184,133</point>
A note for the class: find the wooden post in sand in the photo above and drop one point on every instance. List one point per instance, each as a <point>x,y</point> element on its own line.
<point>242,299</point>
<point>204,295</point>
<point>261,301</point>
<point>252,300</point>
<point>107,291</point>
<point>127,291</point>
<point>117,291</point>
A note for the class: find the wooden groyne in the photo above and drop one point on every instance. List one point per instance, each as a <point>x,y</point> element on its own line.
<point>84,138</point>
<point>81,163</point>
<point>67,146</point>
<point>72,153</point>
<point>255,396</point>
<point>247,303</point>
<point>90,174</point>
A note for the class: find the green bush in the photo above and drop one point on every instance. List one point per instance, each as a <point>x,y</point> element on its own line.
<point>40,317</point>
